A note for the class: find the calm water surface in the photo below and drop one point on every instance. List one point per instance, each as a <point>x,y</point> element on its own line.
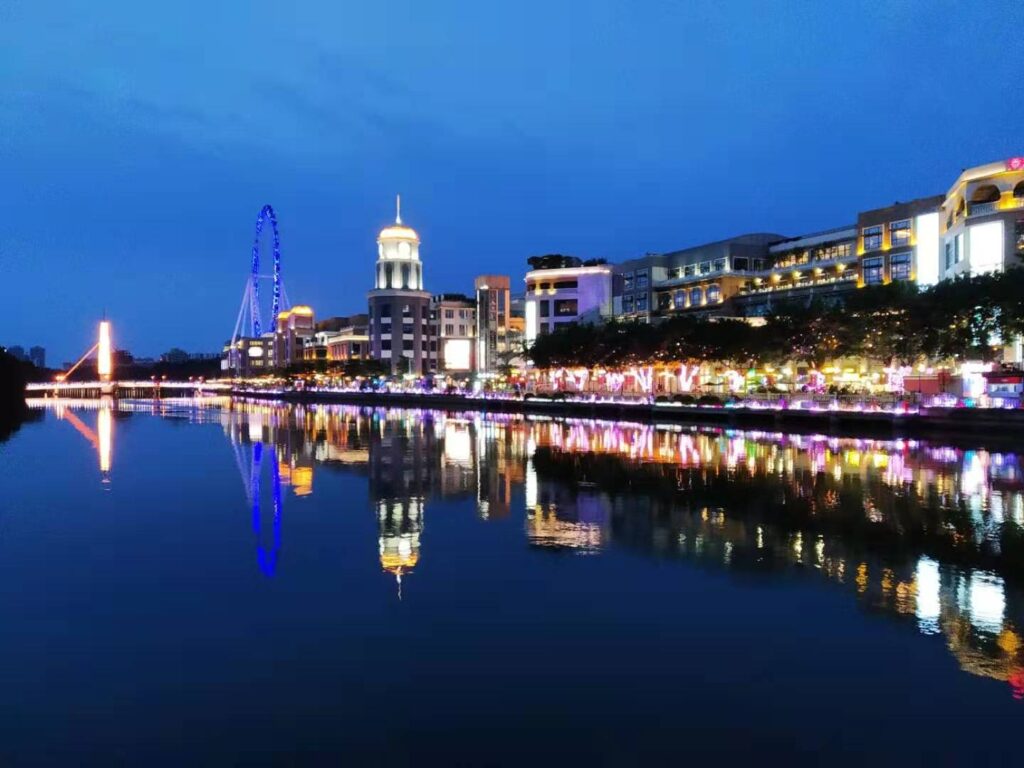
<point>256,583</point>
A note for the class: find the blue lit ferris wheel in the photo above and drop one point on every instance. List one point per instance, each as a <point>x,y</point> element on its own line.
<point>251,309</point>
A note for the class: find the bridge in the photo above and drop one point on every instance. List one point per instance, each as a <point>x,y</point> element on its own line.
<point>105,385</point>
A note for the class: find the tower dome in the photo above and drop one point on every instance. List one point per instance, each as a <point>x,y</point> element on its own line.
<point>398,231</point>
<point>398,256</point>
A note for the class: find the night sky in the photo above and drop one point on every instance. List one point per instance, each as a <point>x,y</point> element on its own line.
<point>139,140</point>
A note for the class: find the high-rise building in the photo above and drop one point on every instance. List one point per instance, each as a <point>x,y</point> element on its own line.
<point>38,356</point>
<point>17,352</point>
<point>493,306</point>
<point>399,307</point>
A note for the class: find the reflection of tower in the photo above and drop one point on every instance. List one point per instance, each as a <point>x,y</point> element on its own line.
<point>399,525</point>
<point>403,454</point>
<point>102,438</point>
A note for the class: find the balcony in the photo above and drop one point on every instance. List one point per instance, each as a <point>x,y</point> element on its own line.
<point>984,209</point>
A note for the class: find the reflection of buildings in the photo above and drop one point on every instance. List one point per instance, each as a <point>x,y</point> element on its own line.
<point>857,512</point>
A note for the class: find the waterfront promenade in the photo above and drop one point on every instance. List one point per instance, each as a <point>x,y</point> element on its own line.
<point>795,415</point>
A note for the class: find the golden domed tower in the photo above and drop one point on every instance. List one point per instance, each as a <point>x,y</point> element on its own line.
<point>399,307</point>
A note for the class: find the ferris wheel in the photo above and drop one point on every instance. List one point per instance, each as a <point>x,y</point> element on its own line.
<point>250,314</point>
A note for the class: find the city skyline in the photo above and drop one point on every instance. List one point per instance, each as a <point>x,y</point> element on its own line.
<point>635,140</point>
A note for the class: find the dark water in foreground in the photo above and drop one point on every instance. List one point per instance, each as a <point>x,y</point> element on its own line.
<point>268,584</point>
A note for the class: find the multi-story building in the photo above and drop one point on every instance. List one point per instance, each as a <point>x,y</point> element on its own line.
<point>294,329</point>
<point>453,333</point>
<point>37,356</point>
<point>982,220</point>
<point>822,265</point>
<point>399,307</point>
<point>633,284</point>
<point>338,339</point>
<point>899,242</point>
<point>493,311</point>
<point>701,280</point>
<point>563,289</point>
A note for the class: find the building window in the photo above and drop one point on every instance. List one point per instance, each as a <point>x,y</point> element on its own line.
<point>949,254</point>
<point>407,345</point>
<point>899,266</point>
<point>833,251</point>
<point>741,263</point>
<point>714,294</point>
<point>899,233</point>
<point>874,271</point>
<point>705,268</point>
<point>872,238</point>
<point>679,300</point>
<point>385,311</point>
<point>641,303</point>
<point>565,285</point>
<point>718,265</point>
<point>696,296</point>
<point>1019,235</point>
<point>462,329</point>
<point>641,281</point>
<point>385,344</point>
<point>406,310</point>
<point>449,329</point>
<point>449,314</point>
<point>664,301</point>
<point>627,282</point>
<point>689,270</point>
<point>545,308</point>
<point>627,304</point>
<point>565,308</point>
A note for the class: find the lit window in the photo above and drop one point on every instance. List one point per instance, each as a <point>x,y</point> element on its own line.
<point>641,281</point>
<point>679,300</point>
<point>696,296</point>
<point>899,233</point>
<point>872,238</point>
<point>627,304</point>
<point>565,308</point>
<point>874,271</point>
<point>714,294</point>
<point>899,266</point>
<point>627,282</point>
<point>641,303</point>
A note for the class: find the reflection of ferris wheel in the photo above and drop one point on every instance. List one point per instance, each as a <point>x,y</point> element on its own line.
<point>251,295</point>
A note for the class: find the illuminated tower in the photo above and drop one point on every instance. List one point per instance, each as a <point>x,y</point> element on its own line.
<point>104,353</point>
<point>399,307</point>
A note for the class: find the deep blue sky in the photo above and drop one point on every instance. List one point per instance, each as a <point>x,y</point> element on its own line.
<point>138,140</point>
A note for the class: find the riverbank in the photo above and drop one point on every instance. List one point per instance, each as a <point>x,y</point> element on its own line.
<point>990,424</point>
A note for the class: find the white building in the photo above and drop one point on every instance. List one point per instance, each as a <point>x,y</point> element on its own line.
<point>982,220</point>
<point>566,292</point>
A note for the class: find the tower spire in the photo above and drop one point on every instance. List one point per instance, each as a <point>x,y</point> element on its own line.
<point>398,209</point>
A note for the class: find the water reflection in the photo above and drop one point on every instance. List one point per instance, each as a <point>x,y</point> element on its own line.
<point>914,530</point>
<point>929,535</point>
